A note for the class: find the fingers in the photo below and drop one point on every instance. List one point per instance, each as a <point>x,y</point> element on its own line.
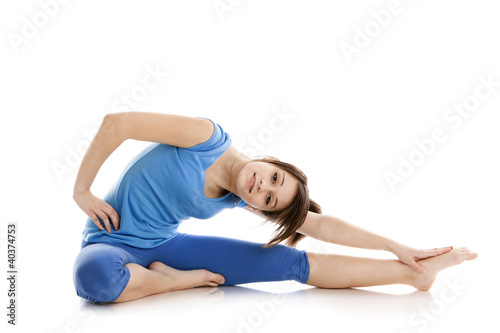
<point>97,222</point>
<point>106,223</point>
<point>434,252</point>
<point>115,219</point>
<point>444,250</point>
<point>105,217</point>
<point>113,215</point>
<point>417,267</point>
<point>105,220</point>
<point>99,211</point>
<point>105,214</point>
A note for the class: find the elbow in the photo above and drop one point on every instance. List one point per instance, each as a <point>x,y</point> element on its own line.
<point>111,124</point>
<point>110,118</point>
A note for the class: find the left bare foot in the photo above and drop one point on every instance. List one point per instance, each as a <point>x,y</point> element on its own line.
<point>424,281</point>
<point>177,280</point>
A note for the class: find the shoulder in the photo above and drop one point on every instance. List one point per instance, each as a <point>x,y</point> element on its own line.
<point>218,140</point>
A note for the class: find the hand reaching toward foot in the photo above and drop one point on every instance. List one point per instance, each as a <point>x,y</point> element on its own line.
<point>410,256</point>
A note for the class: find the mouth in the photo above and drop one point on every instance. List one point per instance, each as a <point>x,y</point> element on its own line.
<point>251,183</point>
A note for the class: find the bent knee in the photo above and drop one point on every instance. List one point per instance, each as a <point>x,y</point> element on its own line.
<point>313,263</point>
<point>303,268</point>
<point>99,278</point>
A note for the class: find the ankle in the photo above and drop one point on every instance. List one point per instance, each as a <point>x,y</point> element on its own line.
<point>413,277</point>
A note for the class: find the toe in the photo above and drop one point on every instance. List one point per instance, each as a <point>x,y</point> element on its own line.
<point>472,256</point>
<point>218,278</point>
<point>213,277</point>
<point>468,254</point>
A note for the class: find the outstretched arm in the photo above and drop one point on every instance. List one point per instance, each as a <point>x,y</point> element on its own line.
<point>334,230</point>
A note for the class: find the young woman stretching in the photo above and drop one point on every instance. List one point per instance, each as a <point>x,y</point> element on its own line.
<point>131,247</point>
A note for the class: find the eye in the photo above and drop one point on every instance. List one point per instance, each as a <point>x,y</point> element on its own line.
<point>275,177</point>
<point>268,200</point>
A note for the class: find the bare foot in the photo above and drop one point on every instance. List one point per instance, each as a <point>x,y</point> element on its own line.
<point>177,280</point>
<point>424,281</point>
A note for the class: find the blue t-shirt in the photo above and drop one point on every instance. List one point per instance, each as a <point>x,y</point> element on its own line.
<point>159,188</point>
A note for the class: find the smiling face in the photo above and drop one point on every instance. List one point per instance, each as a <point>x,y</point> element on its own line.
<point>265,186</point>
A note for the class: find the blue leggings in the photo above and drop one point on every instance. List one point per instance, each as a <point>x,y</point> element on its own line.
<point>100,274</point>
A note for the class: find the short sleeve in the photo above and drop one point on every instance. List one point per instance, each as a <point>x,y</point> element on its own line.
<point>220,140</point>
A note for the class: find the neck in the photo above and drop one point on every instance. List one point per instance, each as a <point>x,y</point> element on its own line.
<point>231,165</point>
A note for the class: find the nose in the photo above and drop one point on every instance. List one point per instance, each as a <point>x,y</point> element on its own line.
<point>262,185</point>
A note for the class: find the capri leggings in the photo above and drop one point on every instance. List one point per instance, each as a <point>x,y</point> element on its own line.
<point>100,274</point>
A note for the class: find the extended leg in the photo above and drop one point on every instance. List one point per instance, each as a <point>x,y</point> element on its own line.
<point>335,271</point>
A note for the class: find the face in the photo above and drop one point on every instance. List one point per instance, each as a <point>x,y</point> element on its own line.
<point>265,186</point>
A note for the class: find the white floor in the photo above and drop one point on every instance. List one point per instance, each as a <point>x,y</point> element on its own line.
<point>460,300</point>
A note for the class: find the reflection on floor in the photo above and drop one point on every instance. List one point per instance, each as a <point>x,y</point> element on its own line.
<point>272,306</point>
<point>458,300</point>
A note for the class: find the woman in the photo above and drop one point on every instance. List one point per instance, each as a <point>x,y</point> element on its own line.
<point>131,247</point>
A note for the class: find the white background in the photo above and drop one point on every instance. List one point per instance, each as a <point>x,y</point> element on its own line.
<point>352,120</point>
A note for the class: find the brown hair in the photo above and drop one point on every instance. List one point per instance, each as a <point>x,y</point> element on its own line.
<point>292,217</point>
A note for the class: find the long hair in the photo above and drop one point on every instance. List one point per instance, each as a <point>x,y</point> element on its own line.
<point>292,217</point>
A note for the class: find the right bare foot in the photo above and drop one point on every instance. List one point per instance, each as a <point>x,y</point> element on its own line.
<point>424,281</point>
<point>177,280</point>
